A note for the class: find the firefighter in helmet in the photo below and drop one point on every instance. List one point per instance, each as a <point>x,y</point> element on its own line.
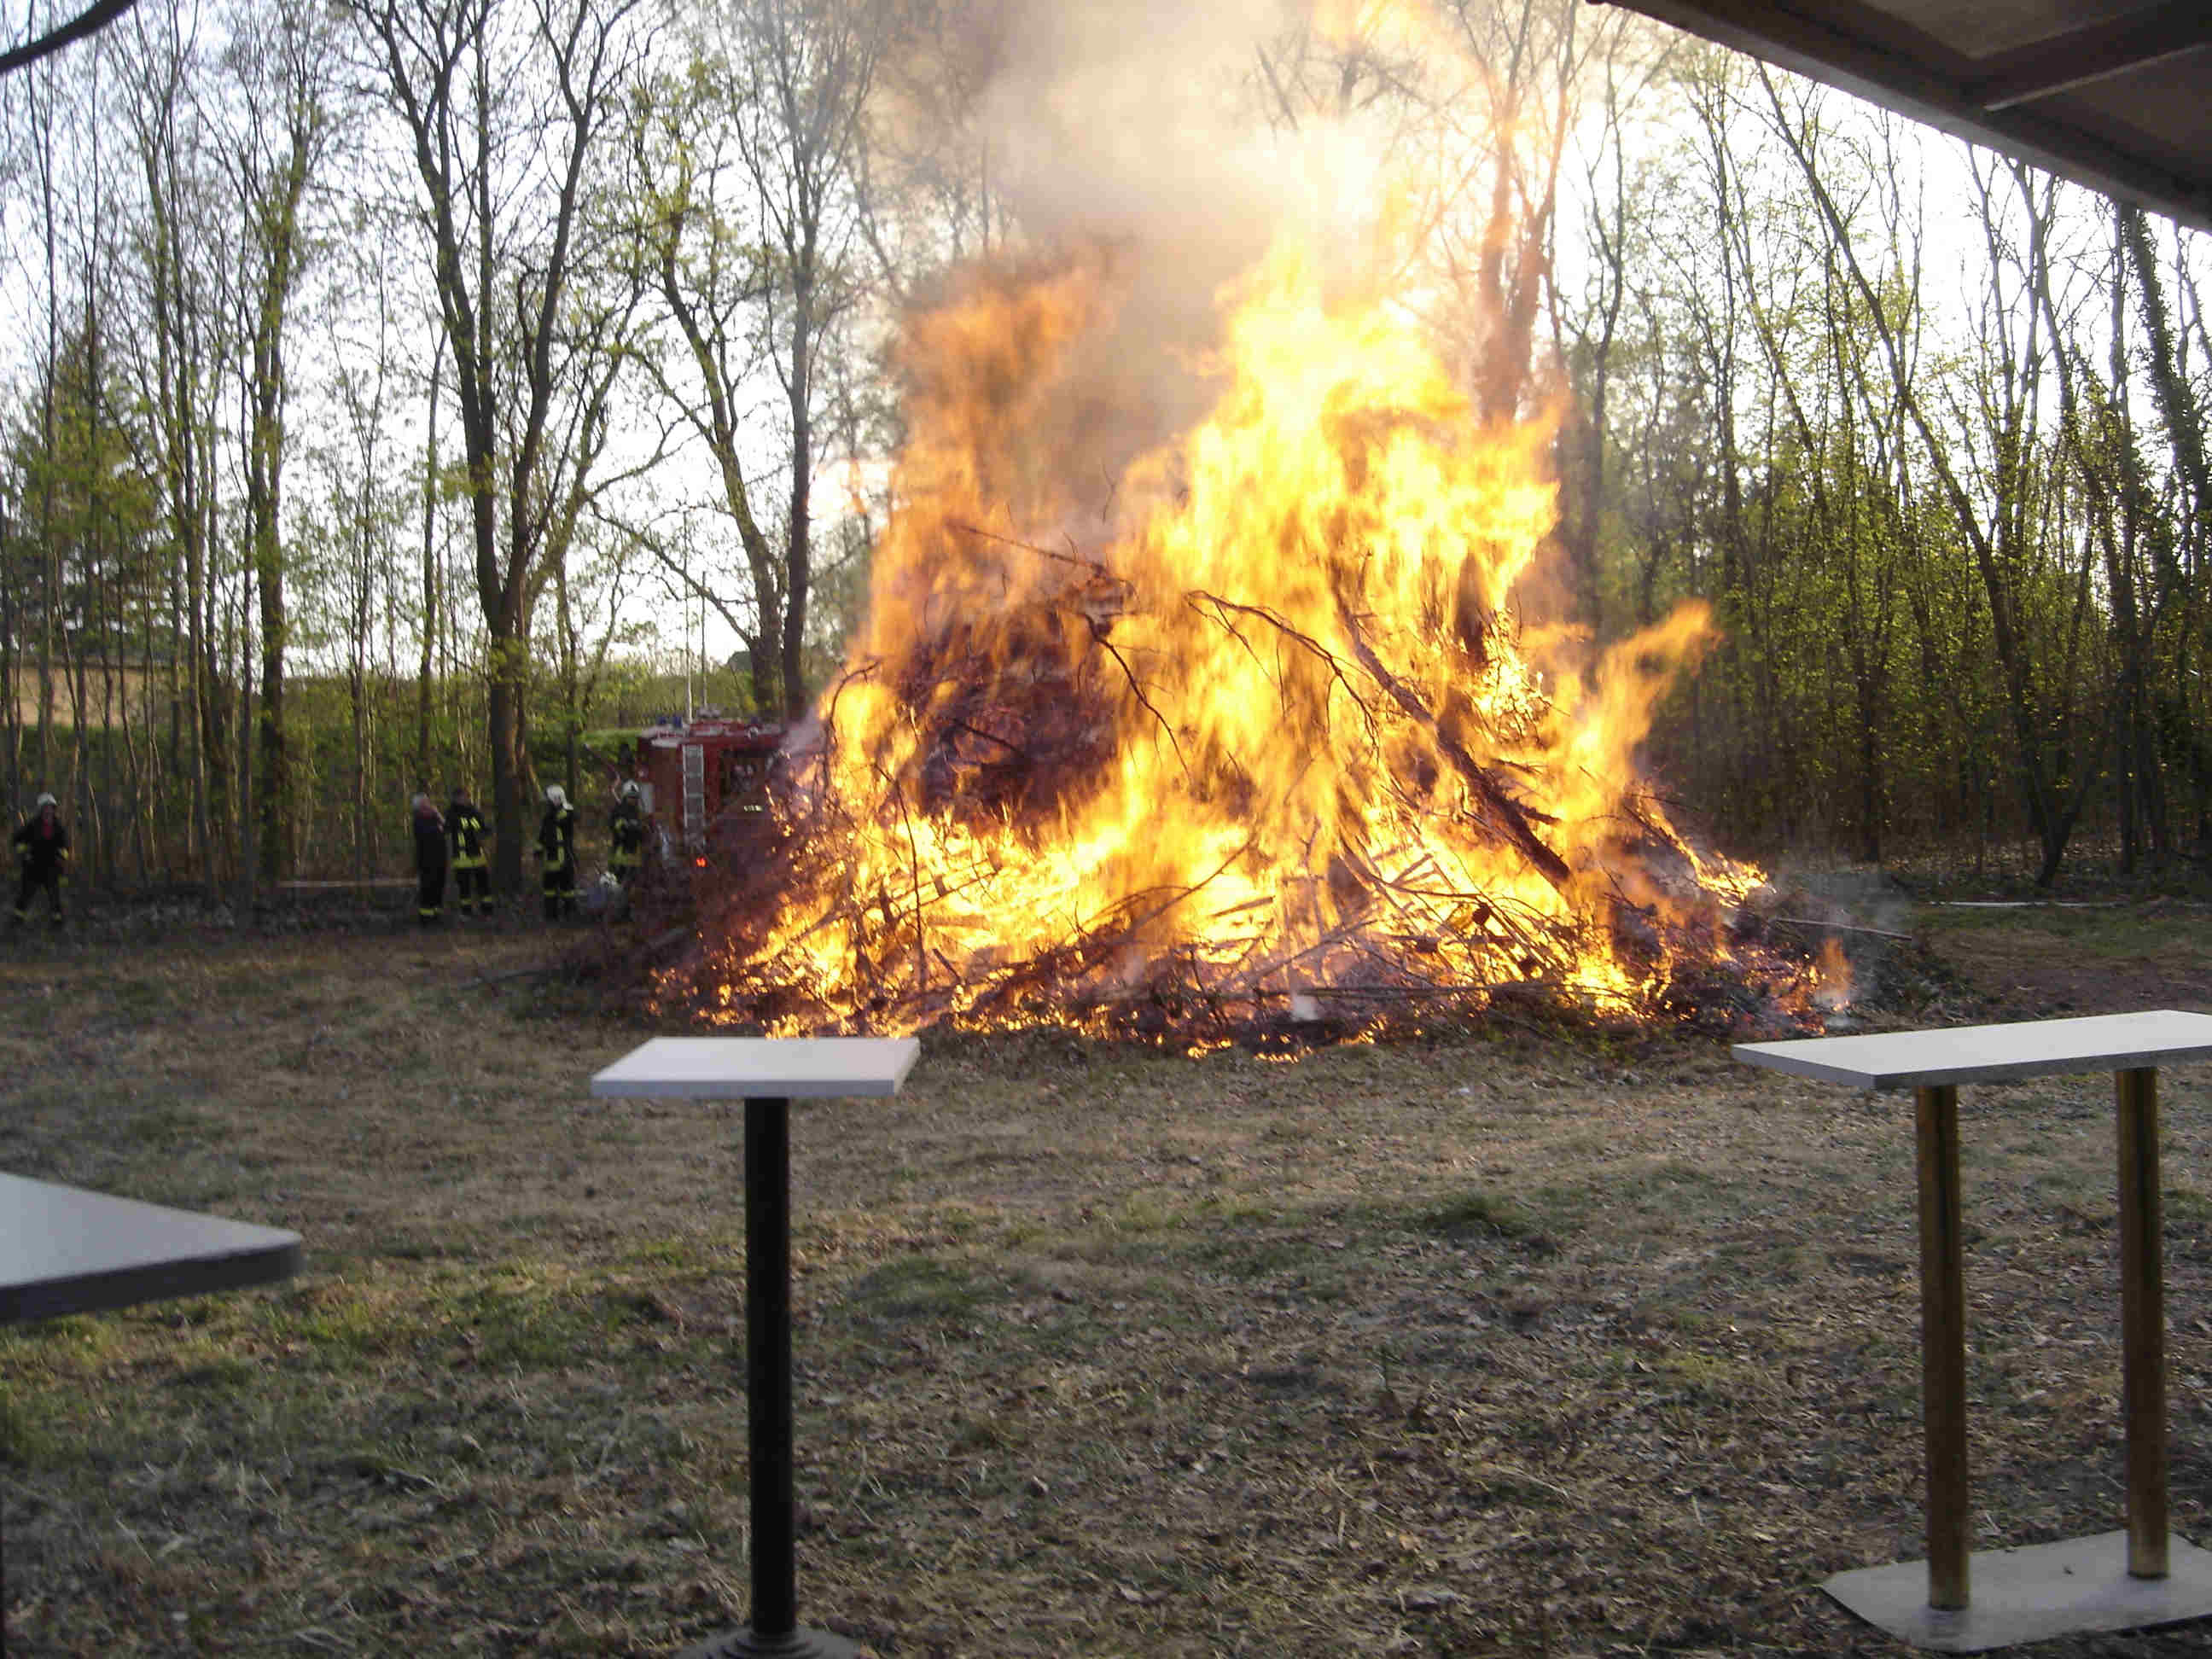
<point>429,862</point>
<point>557,847</point>
<point>465,833</point>
<point>626,833</point>
<point>42,848</point>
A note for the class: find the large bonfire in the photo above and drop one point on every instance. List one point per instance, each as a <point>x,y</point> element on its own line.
<point>1249,740</point>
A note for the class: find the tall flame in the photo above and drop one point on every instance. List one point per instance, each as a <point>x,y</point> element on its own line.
<point>1261,723</point>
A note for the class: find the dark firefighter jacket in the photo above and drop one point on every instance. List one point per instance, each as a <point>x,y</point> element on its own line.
<point>625,836</point>
<point>43,847</point>
<point>556,835</point>
<point>430,839</point>
<point>464,830</point>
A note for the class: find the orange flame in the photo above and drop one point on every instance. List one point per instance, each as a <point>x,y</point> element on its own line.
<point>1833,977</point>
<point>1263,726</point>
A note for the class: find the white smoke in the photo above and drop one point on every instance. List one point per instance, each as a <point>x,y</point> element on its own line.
<point>1157,130</point>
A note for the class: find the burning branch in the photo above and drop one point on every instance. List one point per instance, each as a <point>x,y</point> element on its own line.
<point>1327,657</point>
<point>1506,816</point>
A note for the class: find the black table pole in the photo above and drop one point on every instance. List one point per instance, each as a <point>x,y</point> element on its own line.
<point>773,1632</point>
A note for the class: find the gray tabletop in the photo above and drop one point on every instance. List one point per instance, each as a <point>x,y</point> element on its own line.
<point>65,1251</point>
<point>1989,1053</point>
<point>759,1068</point>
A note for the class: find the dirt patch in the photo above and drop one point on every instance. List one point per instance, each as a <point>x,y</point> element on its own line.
<point>2100,957</point>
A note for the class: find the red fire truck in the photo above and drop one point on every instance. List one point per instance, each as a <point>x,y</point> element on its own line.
<point>693,771</point>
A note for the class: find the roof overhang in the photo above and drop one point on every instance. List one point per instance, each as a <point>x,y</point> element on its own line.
<point>95,16</point>
<point>2114,94</point>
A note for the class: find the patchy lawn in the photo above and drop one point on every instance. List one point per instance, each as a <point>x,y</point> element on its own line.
<point>1521,1342</point>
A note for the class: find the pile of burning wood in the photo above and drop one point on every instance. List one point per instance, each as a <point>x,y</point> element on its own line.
<point>1261,752</point>
<point>1392,943</point>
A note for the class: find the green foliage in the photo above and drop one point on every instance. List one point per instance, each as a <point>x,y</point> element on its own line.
<point>1949,569</point>
<point>1951,518</point>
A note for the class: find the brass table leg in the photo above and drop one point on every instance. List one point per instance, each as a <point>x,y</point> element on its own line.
<point>2142,1322</point>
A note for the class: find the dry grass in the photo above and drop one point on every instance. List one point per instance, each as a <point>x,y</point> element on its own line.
<point>1540,1343</point>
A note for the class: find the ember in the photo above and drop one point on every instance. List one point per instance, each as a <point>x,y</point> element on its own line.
<point>1255,744</point>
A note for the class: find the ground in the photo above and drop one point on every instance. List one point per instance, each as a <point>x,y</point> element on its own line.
<point>2156,955</point>
<point>1527,1340</point>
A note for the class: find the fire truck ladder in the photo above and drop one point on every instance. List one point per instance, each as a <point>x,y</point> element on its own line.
<point>695,797</point>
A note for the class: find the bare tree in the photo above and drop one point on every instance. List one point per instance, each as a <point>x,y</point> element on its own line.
<point>185,257</point>
<point>506,104</point>
<point>284,69</point>
<point>757,232</point>
<point>1995,513</point>
<point>927,182</point>
<point>1616,237</point>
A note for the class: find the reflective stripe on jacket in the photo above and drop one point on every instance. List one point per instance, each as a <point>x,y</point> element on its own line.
<point>464,827</point>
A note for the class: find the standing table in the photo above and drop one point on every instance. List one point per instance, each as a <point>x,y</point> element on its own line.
<point>64,1250</point>
<point>766,1073</point>
<point>2114,1581</point>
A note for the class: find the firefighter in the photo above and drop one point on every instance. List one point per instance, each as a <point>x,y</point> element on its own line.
<point>625,835</point>
<point>429,862</point>
<point>465,835</point>
<point>556,847</point>
<point>42,848</point>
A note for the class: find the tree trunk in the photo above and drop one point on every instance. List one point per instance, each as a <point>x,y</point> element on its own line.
<point>424,674</point>
<point>797,544</point>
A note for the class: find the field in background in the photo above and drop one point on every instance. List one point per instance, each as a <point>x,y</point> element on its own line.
<point>1535,1341</point>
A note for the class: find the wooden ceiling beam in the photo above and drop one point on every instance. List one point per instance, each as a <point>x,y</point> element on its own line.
<point>1880,56</point>
<point>2081,55</point>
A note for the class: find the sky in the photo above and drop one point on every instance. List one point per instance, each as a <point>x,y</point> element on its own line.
<point>1107,118</point>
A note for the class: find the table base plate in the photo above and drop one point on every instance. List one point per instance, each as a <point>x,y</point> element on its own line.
<point>791,1644</point>
<point>2032,1594</point>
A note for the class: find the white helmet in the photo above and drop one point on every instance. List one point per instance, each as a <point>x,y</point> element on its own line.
<point>554,797</point>
<point>630,790</point>
<point>48,800</point>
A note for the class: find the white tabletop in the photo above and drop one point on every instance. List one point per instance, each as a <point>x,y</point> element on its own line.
<point>64,1250</point>
<point>1988,1053</point>
<point>759,1068</point>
